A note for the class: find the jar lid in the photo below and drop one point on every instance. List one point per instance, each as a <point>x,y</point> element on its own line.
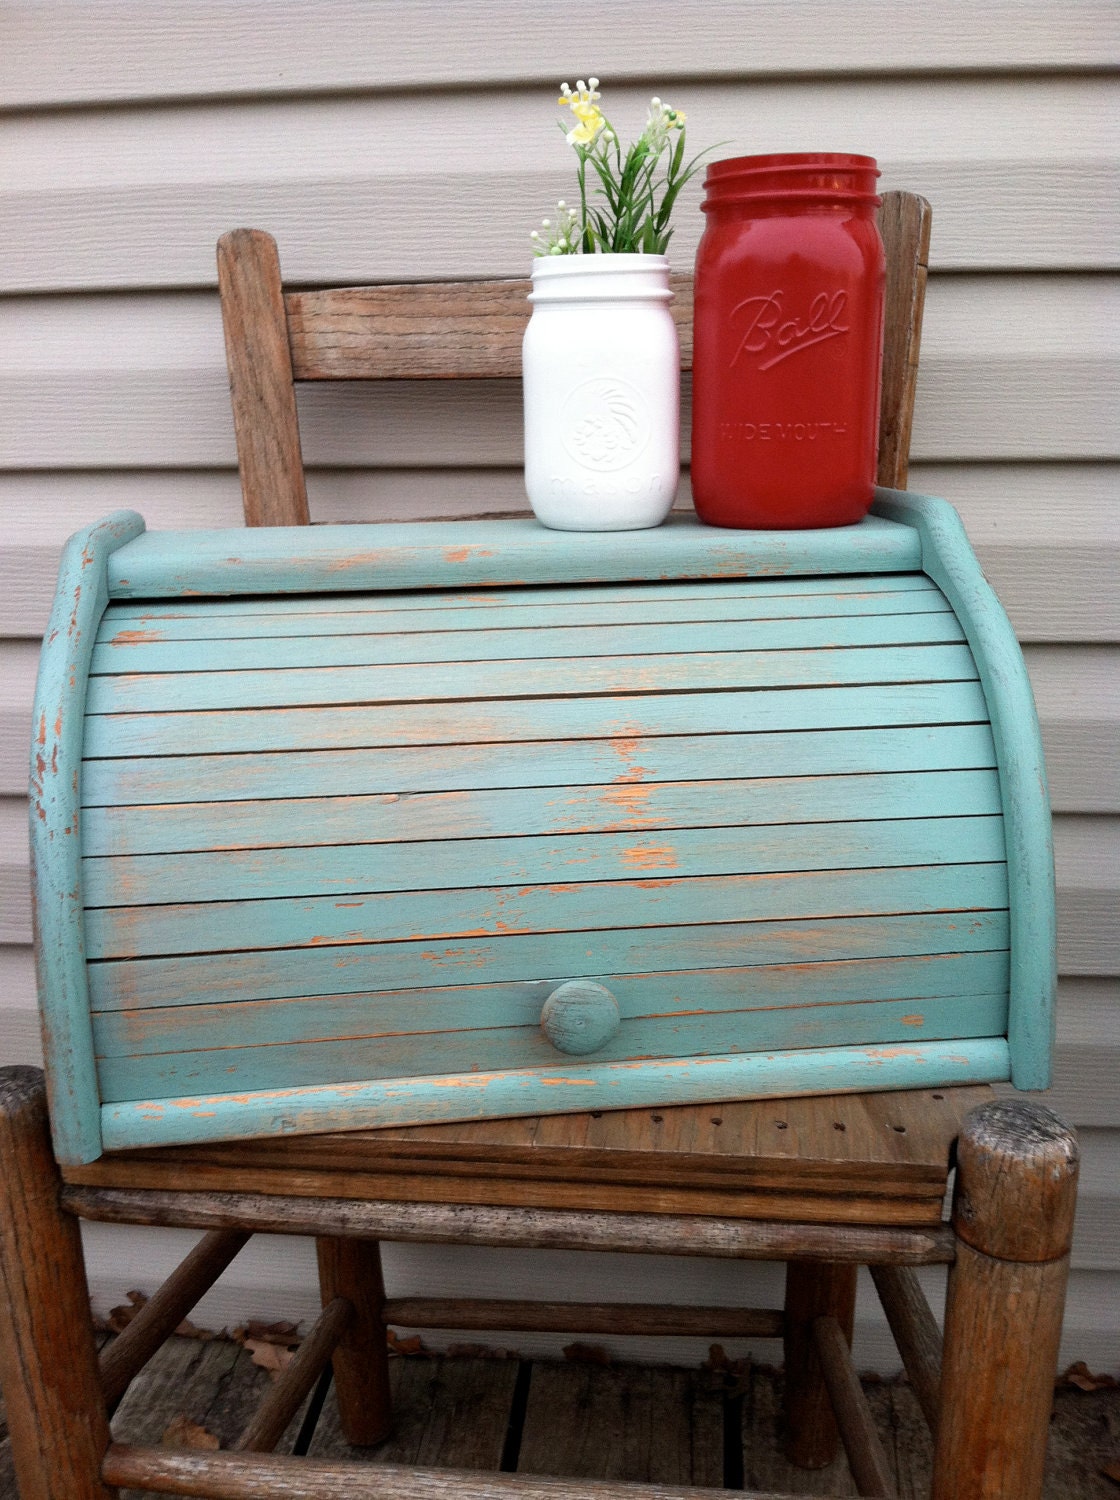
<point>600,278</point>
<point>825,176</point>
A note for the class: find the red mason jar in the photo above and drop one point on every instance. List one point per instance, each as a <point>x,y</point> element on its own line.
<point>788,342</point>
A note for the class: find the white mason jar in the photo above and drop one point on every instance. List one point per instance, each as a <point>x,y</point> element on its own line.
<point>601,363</point>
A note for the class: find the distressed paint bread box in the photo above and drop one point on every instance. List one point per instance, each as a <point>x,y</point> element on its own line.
<point>374,825</point>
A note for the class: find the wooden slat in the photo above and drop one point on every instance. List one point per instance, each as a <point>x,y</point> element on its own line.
<point>127,882</point>
<point>407,816</point>
<point>562,677</point>
<point>586,604</point>
<point>264,404</point>
<point>195,980</point>
<point>627,761</point>
<point>135,1033</point>
<point>582,1317</point>
<point>421,916</point>
<point>904,223</point>
<point>542,641</point>
<point>513,1189</point>
<point>818,592</point>
<point>494,721</point>
<point>440,331</point>
<point>527,1228</point>
<point>175,1073</point>
<point>239,1476</point>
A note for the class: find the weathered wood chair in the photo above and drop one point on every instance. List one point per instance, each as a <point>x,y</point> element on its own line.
<point>825,1183</point>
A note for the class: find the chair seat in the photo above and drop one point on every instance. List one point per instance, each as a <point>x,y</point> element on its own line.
<point>844,1159</point>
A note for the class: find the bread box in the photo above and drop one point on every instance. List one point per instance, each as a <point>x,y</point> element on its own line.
<point>377,825</point>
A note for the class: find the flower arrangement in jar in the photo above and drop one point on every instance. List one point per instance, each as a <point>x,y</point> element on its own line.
<point>601,358</point>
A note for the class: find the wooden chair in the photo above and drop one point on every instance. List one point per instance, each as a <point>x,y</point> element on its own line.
<point>825,1183</point>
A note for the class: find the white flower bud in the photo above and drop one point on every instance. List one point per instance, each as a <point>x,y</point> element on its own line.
<point>564,89</point>
<point>545,223</point>
<point>581,86</point>
<point>533,234</point>
<point>656,102</point>
<point>594,82</point>
<point>561,204</point>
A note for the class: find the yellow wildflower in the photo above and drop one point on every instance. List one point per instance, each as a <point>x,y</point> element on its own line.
<point>581,102</point>
<point>591,122</point>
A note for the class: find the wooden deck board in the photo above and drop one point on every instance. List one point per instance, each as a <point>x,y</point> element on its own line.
<point>588,1420</point>
<point>454,1413</point>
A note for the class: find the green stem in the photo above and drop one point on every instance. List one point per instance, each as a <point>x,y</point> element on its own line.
<point>585,229</point>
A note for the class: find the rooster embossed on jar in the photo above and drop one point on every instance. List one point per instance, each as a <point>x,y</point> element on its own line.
<point>788,342</point>
<point>601,368</point>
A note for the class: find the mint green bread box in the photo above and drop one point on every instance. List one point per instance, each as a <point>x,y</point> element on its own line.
<point>351,826</point>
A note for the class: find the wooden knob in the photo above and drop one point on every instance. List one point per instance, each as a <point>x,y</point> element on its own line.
<point>580,1017</point>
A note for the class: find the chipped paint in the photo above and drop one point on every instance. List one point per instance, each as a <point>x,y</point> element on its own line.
<point>650,857</point>
<point>136,637</point>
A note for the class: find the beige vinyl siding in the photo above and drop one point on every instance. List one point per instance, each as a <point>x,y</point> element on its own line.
<point>377,148</point>
<point>1019,169</point>
<point>66,51</point>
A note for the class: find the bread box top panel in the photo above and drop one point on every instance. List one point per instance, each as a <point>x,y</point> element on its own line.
<point>467,554</point>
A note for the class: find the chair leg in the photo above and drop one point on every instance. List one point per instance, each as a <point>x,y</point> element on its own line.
<point>352,1269</point>
<point>814,1289</point>
<point>48,1358</point>
<point>1013,1217</point>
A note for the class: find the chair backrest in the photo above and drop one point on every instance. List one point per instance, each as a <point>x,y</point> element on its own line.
<point>465,330</point>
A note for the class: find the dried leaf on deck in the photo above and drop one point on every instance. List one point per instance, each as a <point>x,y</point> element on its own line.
<point>722,1374</point>
<point>285,1334</point>
<point>414,1344</point>
<point>188,1330</point>
<point>121,1317</point>
<point>181,1432</point>
<point>1112,1471</point>
<point>1082,1377</point>
<point>272,1357</point>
